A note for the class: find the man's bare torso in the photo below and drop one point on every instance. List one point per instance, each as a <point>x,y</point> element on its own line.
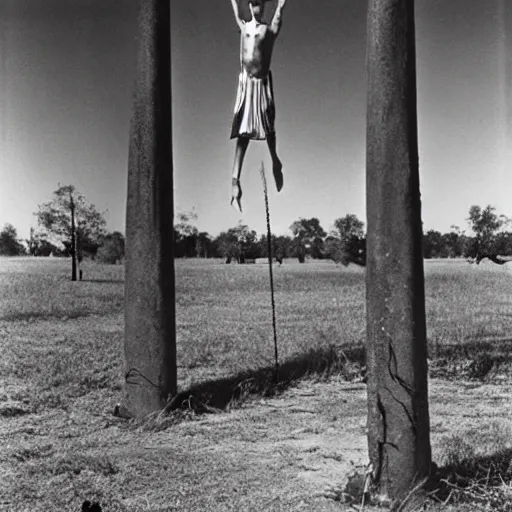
<point>257,43</point>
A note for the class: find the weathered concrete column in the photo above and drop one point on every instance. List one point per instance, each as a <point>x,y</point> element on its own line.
<point>150,325</point>
<point>398,417</point>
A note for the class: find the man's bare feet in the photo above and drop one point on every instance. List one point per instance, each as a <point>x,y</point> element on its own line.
<point>278,175</point>
<point>236,194</point>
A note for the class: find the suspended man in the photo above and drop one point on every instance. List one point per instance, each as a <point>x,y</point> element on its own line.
<point>254,106</point>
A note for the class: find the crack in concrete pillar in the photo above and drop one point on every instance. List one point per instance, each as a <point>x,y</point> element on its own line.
<point>398,419</point>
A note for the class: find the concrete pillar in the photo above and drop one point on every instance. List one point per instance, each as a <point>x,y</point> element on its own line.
<point>398,417</point>
<point>150,325</point>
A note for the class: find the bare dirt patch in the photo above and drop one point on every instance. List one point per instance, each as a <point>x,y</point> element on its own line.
<point>295,451</point>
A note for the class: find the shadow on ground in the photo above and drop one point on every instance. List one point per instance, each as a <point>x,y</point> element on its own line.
<point>103,281</point>
<point>475,359</point>
<point>483,480</point>
<point>321,363</point>
<point>31,316</point>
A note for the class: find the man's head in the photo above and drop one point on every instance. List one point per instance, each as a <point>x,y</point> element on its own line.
<point>257,8</point>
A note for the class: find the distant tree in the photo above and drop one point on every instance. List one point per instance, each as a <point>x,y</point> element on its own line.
<point>309,238</point>
<point>282,247</point>
<point>31,243</point>
<point>504,243</point>
<point>184,224</point>
<point>349,227</point>
<point>337,251</point>
<point>70,218</point>
<point>39,245</point>
<point>433,244</point>
<point>227,245</point>
<point>111,249</point>
<point>238,243</point>
<point>455,241</point>
<point>9,243</point>
<point>185,235</point>
<point>248,243</point>
<point>300,251</point>
<point>446,245</point>
<point>263,246</point>
<point>485,225</point>
<point>346,242</point>
<point>204,245</point>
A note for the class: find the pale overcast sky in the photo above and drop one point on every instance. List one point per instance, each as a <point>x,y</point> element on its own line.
<point>66,82</point>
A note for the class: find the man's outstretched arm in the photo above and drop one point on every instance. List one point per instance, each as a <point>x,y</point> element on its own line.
<point>277,20</point>
<point>237,14</point>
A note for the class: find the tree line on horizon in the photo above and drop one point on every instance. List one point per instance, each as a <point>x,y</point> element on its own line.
<point>346,242</point>
<point>69,226</point>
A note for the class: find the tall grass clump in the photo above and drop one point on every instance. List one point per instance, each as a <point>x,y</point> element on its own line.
<point>475,469</point>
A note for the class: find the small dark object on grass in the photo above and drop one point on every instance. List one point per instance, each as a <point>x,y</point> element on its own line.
<point>120,411</point>
<point>87,506</point>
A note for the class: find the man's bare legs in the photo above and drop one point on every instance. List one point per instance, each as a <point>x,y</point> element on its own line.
<point>241,148</point>
<point>236,192</point>
<point>276,163</point>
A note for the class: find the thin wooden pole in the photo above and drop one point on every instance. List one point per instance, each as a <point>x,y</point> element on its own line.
<point>269,250</point>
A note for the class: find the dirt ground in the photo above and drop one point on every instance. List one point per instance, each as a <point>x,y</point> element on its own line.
<point>61,375</point>
<point>296,451</point>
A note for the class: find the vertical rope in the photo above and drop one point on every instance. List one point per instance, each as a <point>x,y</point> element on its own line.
<point>269,245</point>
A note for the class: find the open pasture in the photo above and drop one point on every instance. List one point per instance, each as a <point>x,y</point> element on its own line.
<point>61,374</point>
<point>223,311</point>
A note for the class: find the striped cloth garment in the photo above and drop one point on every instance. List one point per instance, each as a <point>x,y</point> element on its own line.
<point>254,107</point>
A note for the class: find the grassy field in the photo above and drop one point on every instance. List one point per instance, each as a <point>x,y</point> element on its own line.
<point>61,373</point>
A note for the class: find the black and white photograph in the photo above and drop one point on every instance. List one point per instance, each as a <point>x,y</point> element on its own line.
<point>255,255</point>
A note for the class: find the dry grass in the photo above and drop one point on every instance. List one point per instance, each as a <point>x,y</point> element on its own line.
<point>316,306</point>
<point>61,373</point>
<point>40,288</point>
<point>476,467</point>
